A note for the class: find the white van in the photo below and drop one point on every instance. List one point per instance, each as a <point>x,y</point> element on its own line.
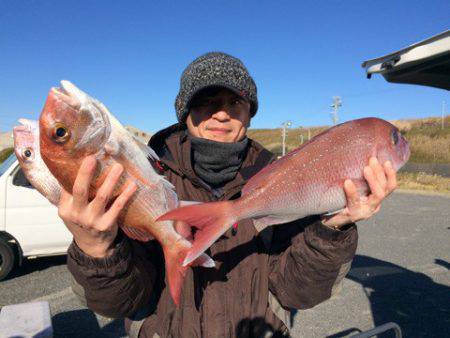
<point>29,224</point>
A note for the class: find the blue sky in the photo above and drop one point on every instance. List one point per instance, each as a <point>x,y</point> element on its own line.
<point>130,55</point>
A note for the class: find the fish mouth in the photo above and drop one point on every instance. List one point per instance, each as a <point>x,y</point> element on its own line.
<point>21,129</point>
<point>23,138</point>
<point>25,127</point>
<point>69,94</point>
<point>19,132</point>
<point>31,125</point>
<point>83,104</point>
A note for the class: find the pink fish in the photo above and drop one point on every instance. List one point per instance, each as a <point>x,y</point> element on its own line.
<point>74,125</point>
<point>307,181</point>
<point>26,148</point>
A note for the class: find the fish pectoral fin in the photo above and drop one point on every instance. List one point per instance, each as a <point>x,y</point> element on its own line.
<point>330,213</point>
<point>333,200</point>
<point>271,220</point>
<point>263,222</point>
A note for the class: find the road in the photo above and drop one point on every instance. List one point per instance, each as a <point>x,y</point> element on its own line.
<point>400,274</point>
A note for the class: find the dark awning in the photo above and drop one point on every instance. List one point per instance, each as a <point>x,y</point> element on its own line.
<point>425,63</point>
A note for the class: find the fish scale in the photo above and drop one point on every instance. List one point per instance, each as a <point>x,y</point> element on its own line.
<point>307,181</point>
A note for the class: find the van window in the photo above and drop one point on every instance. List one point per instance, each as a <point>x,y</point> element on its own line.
<point>7,163</point>
<point>20,180</point>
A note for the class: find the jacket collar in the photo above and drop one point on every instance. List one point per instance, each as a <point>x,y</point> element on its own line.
<point>174,149</point>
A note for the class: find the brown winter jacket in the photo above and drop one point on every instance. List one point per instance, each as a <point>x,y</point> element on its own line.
<point>258,277</point>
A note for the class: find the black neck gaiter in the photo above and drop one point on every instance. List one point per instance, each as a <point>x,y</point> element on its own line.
<point>217,163</point>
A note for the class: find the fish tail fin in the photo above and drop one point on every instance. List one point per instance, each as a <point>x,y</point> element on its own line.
<point>211,221</point>
<point>175,271</point>
<point>174,256</point>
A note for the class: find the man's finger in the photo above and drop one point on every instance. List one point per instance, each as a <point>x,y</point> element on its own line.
<point>104,193</point>
<point>377,192</point>
<point>351,193</point>
<point>80,190</point>
<point>391,177</point>
<point>120,202</point>
<point>64,197</point>
<point>379,172</point>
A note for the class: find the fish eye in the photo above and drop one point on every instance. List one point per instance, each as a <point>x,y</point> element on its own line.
<point>27,153</point>
<point>60,133</point>
<point>394,137</point>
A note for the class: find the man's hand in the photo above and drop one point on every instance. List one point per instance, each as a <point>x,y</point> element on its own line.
<point>382,180</point>
<point>93,227</point>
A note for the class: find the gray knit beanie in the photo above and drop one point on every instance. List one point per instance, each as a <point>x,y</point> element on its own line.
<point>215,69</point>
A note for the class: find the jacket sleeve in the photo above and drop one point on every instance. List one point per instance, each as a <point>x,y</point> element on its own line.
<point>118,285</point>
<point>307,270</point>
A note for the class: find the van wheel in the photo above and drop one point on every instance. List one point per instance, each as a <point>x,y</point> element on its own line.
<point>6,258</point>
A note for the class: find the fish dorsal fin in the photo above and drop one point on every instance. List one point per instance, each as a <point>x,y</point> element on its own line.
<point>146,150</point>
<point>150,153</point>
<point>261,177</point>
<point>170,194</point>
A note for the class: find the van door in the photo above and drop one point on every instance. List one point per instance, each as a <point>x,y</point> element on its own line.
<point>33,220</point>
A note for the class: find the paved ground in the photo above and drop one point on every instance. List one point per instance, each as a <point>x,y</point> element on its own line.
<point>400,274</point>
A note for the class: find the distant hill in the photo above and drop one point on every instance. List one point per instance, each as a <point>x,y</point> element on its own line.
<point>6,140</point>
<point>4,154</point>
<point>428,141</point>
<point>142,136</point>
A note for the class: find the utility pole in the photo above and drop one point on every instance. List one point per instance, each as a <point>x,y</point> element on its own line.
<point>302,138</point>
<point>443,114</point>
<point>337,103</point>
<point>284,125</point>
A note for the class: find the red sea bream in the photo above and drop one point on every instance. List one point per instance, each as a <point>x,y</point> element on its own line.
<point>307,181</point>
<point>74,125</point>
<point>26,148</point>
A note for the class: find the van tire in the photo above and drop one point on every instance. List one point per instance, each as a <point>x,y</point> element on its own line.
<point>7,258</point>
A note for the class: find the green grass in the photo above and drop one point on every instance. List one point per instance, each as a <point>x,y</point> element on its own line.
<point>430,143</point>
<point>4,154</point>
<point>421,181</point>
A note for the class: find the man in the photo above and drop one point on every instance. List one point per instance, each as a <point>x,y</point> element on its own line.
<point>258,276</point>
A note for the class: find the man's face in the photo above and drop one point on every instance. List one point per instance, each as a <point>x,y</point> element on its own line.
<point>219,115</point>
